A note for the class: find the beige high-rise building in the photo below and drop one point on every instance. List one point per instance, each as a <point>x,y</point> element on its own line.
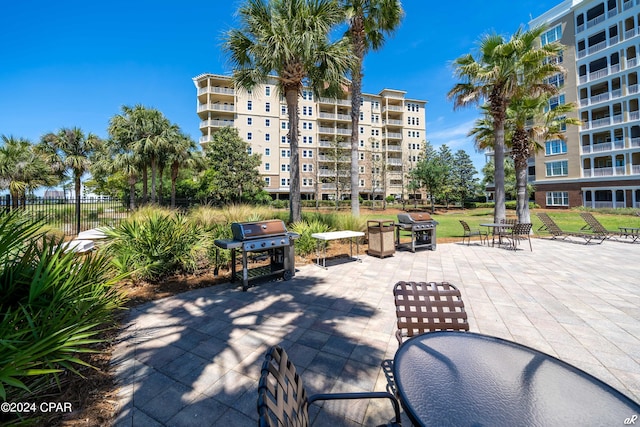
<point>599,164</point>
<point>392,137</point>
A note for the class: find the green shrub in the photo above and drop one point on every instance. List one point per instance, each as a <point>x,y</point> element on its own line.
<point>157,242</point>
<point>53,306</point>
<point>306,244</point>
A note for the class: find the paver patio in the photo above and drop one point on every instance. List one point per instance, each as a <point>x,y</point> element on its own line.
<point>194,359</point>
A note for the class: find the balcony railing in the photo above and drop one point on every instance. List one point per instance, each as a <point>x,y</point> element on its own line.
<point>395,148</point>
<point>392,122</point>
<point>632,89</point>
<point>215,123</point>
<point>635,169</point>
<point>393,135</point>
<point>635,142</point>
<point>206,139</point>
<point>627,5</point>
<point>632,62</point>
<point>629,34</point>
<point>392,108</point>
<point>596,20</point>
<point>597,47</point>
<point>216,107</point>
<point>634,115</point>
<point>216,90</point>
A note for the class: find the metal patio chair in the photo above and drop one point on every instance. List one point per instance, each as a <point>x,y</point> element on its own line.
<point>426,307</point>
<point>556,232</point>
<point>283,400</point>
<point>520,231</point>
<point>468,233</point>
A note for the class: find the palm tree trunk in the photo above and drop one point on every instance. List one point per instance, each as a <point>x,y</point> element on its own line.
<point>522,205</point>
<point>499,212</point>
<point>154,172</point>
<point>77,189</point>
<point>161,182</point>
<point>132,192</point>
<point>357,38</point>
<point>145,188</point>
<point>174,178</point>
<point>295,210</point>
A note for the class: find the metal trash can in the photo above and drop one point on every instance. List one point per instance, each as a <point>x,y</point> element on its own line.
<point>381,240</point>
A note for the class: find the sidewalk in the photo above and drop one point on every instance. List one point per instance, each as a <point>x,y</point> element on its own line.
<point>194,359</point>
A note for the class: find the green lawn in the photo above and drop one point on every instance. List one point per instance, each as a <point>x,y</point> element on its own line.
<point>568,220</point>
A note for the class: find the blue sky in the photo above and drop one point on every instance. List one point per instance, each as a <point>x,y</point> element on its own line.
<point>75,63</point>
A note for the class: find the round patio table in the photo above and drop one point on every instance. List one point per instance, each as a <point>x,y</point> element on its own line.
<point>469,379</point>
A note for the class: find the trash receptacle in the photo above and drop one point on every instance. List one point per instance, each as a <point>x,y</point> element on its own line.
<point>381,239</point>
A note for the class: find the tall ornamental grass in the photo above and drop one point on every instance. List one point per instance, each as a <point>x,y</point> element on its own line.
<point>157,242</point>
<point>53,307</point>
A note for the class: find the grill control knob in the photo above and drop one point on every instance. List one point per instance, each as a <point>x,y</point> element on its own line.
<point>252,246</point>
<point>263,244</point>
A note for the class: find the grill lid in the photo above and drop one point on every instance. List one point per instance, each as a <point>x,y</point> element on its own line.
<point>413,217</point>
<point>256,230</point>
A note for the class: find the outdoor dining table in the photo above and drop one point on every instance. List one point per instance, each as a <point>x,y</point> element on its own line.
<point>465,378</point>
<point>496,228</point>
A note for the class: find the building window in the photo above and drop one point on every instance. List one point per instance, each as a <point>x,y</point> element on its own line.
<point>361,156</point>
<point>267,90</point>
<point>362,143</point>
<point>267,107</point>
<point>361,115</point>
<point>249,105</point>
<point>267,181</point>
<point>285,140</point>
<point>361,129</point>
<point>284,182</point>
<point>249,151</point>
<point>307,153</point>
<point>285,153</point>
<point>267,151</point>
<point>267,122</point>
<point>361,169</point>
<point>554,102</point>
<point>283,109</point>
<point>267,137</point>
<point>310,140</point>
<point>556,146</point>
<point>558,168</point>
<point>267,166</point>
<point>557,198</point>
<point>551,36</point>
<point>249,121</point>
<point>285,167</point>
<point>361,183</point>
<point>249,136</point>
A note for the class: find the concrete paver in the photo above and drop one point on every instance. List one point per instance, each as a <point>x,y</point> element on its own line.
<point>195,358</point>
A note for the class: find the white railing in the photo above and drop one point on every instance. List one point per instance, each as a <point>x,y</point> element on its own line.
<point>627,5</point>
<point>394,162</point>
<point>323,129</point>
<point>635,169</point>
<point>614,68</point>
<point>618,118</point>
<point>632,89</point>
<point>635,142</point>
<point>335,101</point>
<point>634,115</point>
<point>618,144</point>
<point>584,102</point>
<point>596,20</point>
<point>395,148</point>
<point>392,122</point>
<point>612,13</point>
<point>600,122</point>
<point>584,79</point>
<point>598,74</point>
<point>343,131</point>
<point>620,170</point>
<point>391,108</point>
<point>613,40</point>
<point>602,172</point>
<point>600,98</point>
<point>215,123</point>
<point>216,90</point>
<point>216,107</point>
<point>597,47</point>
<point>326,186</point>
<point>603,146</point>
<point>581,53</point>
<point>580,28</point>
<point>629,33</point>
<point>327,116</point>
<point>206,139</point>
<point>617,93</point>
<point>343,117</point>
<point>632,62</point>
<point>395,135</point>
<point>586,149</point>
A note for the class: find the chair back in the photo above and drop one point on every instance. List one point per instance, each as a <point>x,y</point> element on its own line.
<point>282,399</point>
<point>593,223</point>
<point>425,307</point>
<point>510,221</point>
<point>549,224</point>
<point>522,229</point>
<point>465,226</point>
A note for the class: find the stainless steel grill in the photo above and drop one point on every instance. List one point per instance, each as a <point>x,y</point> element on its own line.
<point>269,240</point>
<point>422,228</point>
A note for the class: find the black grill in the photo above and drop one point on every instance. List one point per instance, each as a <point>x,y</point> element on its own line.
<point>422,228</point>
<point>268,240</point>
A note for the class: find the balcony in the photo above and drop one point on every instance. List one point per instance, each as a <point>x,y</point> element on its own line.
<point>630,33</point>
<point>635,142</point>
<point>215,123</point>
<point>216,90</point>
<point>392,122</point>
<point>394,148</point>
<point>595,21</point>
<point>394,108</point>
<point>632,62</point>
<point>627,5</point>
<point>393,135</point>
<point>206,139</point>
<point>635,169</point>
<point>394,162</point>
<point>335,101</point>
<point>216,107</point>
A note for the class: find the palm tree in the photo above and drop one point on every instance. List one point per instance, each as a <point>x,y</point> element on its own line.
<point>144,131</point>
<point>369,21</point>
<point>289,38</point>
<point>532,122</point>
<point>21,168</point>
<point>504,69</point>
<point>182,154</point>
<point>70,150</point>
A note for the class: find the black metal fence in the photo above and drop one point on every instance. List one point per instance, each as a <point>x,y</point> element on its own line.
<point>61,213</point>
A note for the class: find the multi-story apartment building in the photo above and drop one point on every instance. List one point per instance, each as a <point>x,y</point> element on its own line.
<point>599,164</point>
<point>392,135</point>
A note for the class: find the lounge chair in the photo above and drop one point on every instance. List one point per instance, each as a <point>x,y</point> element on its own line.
<point>556,232</point>
<point>468,233</point>
<point>594,225</point>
